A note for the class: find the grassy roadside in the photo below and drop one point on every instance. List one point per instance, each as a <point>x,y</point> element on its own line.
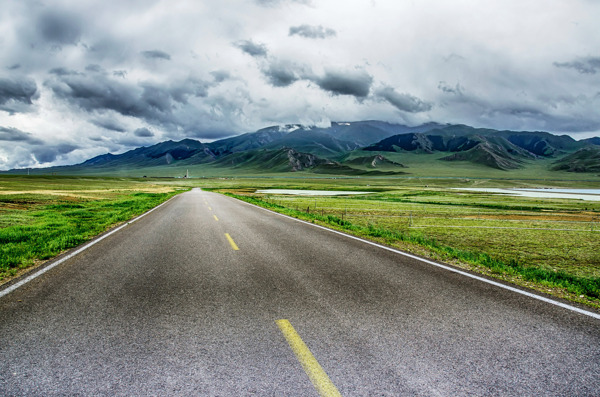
<point>40,217</point>
<point>577,288</point>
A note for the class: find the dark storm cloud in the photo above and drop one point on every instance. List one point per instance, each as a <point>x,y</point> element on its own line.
<point>17,91</point>
<point>404,102</point>
<point>312,32</point>
<point>156,54</point>
<point>588,65</point>
<point>62,71</point>
<point>16,135</point>
<point>355,83</point>
<point>59,27</point>
<point>181,90</point>
<point>98,94</point>
<point>154,99</point>
<point>143,132</point>
<point>109,124</point>
<point>154,103</point>
<point>49,153</point>
<point>281,73</point>
<point>251,48</point>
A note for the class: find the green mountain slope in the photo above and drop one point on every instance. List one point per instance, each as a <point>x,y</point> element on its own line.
<point>160,154</point>
<point>376,161</point>
<point>586,159</point>
<point>489,154</point>
<point>315,142</point>
<point>503,150</point>
<point>591,141</point>
<point>249,141</point>
<point>275,160</point>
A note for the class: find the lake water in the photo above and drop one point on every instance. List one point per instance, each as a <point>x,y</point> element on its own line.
<point>300,192</point>
<point>578,194</point>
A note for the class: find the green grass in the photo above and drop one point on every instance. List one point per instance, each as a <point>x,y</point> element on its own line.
<point>42,217</point>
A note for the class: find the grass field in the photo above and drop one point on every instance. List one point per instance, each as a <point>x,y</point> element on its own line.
<point>42,216</point>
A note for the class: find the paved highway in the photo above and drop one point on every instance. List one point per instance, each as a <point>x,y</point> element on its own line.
<point>190,300</point>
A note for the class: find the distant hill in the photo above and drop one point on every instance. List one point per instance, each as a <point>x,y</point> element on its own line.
<point>375,161</point>
<point>251,140</point>
<point>592,141</point>
<point>349,148</point>
<point>495,155</point>
<point>274,160</point>
<point>459,138</point>
<point>364,133</point>
<point>497,149</point>
<point>156,155</point>
<point>315,142</point>
<point>586,159</point>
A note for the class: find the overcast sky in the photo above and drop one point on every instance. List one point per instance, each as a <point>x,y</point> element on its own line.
<point>82,78</point>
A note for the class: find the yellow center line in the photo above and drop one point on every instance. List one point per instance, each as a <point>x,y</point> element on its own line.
<point>233,245</point>
<point>315,372</point>
<point>210,209</point>
<point>216,219</point>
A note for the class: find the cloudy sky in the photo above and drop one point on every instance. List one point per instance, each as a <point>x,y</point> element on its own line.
<point>82,78</point>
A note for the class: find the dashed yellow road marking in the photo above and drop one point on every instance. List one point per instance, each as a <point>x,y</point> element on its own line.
<point>210,209</point>
<point>313,369</point>
<point>233,245</point>
<point>216,219</point>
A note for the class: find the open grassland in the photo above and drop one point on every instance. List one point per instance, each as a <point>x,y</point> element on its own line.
<point>42,216</point>
<point>552,245</point>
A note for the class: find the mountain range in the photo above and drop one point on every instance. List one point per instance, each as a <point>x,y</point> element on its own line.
<point>355,148</point>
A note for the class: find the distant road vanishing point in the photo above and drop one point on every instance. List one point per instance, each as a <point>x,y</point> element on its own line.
<point>207,295</point>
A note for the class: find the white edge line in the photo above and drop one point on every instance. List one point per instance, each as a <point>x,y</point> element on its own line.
<point>77,251</point>
<point>485,280</point>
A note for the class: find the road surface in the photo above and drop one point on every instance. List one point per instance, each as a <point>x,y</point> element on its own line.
<point>189,299</point>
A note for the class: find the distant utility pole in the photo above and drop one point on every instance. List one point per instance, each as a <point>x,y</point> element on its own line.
<point>187,173</point>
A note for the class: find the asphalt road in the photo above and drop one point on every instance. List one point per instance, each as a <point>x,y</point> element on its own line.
<point>167,306</point>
